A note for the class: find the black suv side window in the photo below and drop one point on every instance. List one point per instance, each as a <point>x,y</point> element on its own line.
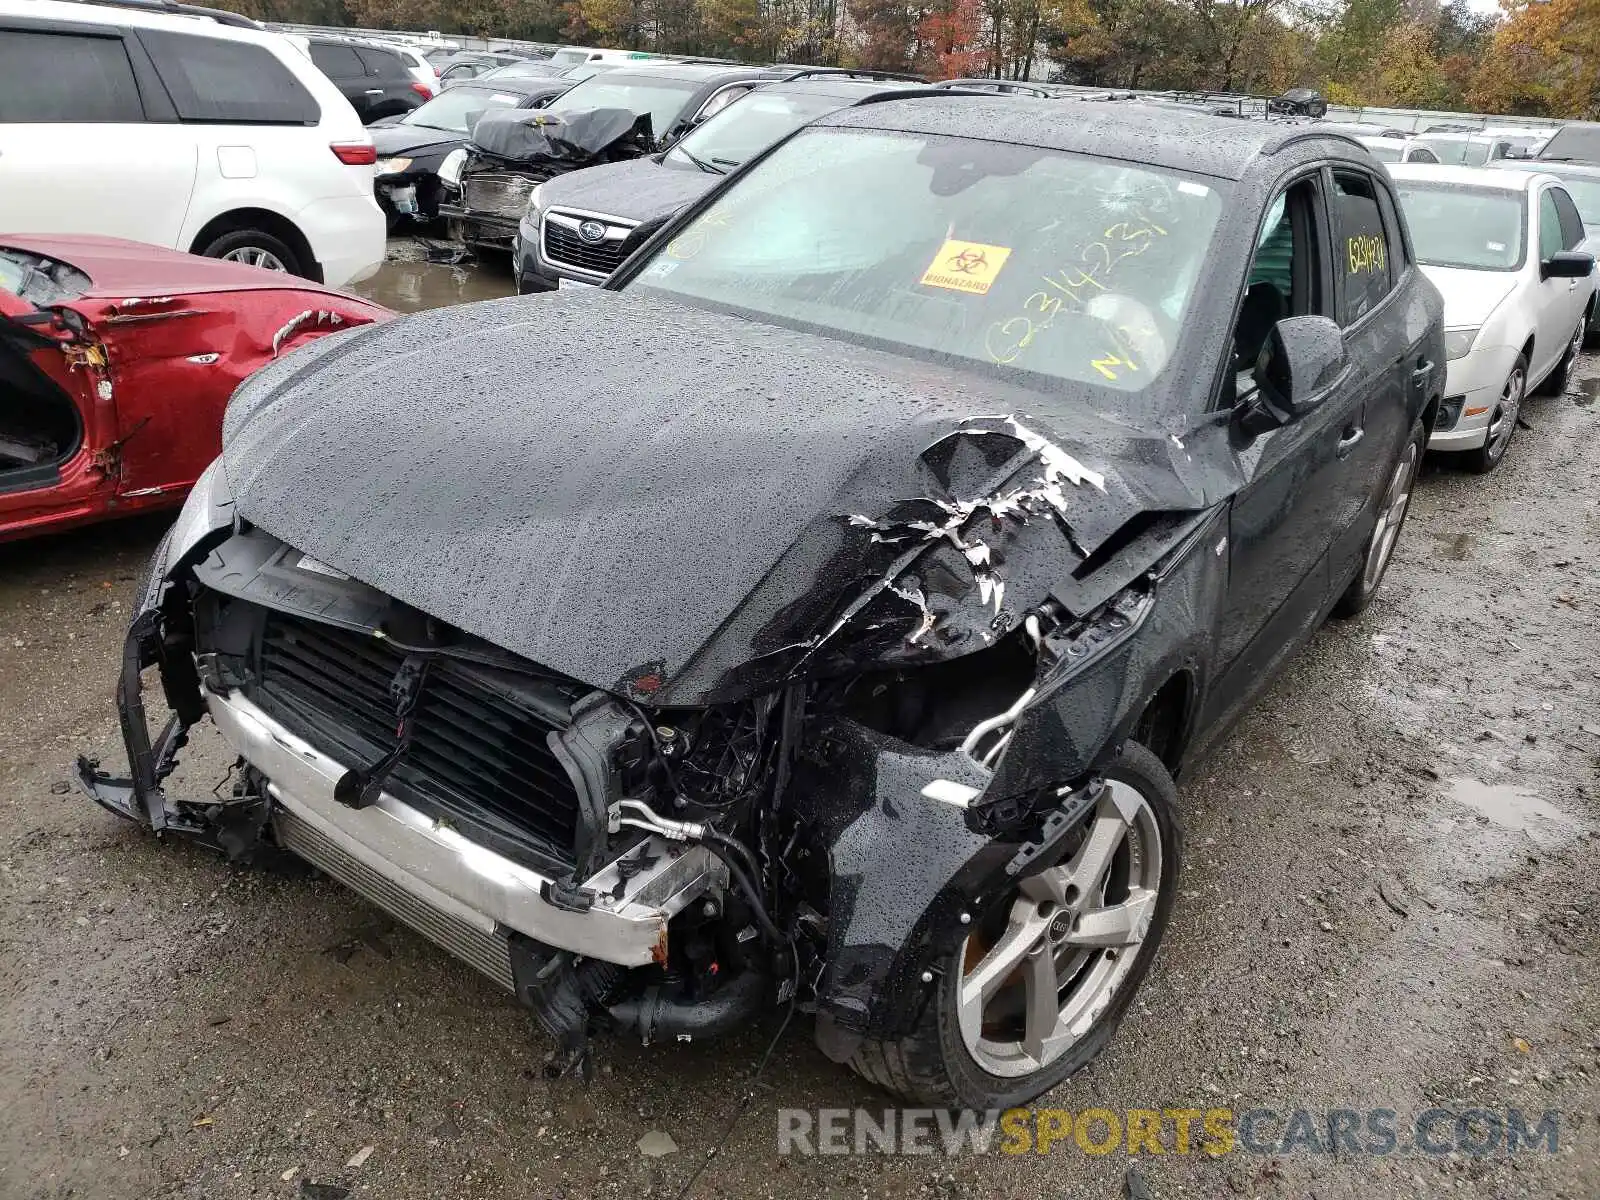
<point>1286,274</point>
<point>230,83</point>
<point>336,61</point>
<point>1362,259</point>
<point>1401,253</point>
<point>385,64</point>
<point>66,78</point>
<point>1571,222</point>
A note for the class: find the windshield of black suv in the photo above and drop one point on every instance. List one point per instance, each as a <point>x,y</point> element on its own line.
<point>457,109</point>
<point>1474,228</point>
<point>524,70</point>
<point>663,99</point>
<point>747,127</point>
<point>1057,264</point>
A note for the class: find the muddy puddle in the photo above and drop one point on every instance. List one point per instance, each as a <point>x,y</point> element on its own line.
<point>1514,809</point>
<point>416,275</point>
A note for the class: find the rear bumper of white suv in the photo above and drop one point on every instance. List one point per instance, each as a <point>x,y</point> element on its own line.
<point>346,236</point>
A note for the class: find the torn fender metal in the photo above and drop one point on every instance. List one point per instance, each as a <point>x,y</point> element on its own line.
<point>904,868</point>
<point>1105,670</point>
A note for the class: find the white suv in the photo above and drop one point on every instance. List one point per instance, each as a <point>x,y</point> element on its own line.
<point>184,131</point>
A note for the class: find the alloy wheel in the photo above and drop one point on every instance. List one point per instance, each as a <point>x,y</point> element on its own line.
<point>255,256</point>
<point>1391,516</point>
<point>1037,976</point>
<point>1504,421</point>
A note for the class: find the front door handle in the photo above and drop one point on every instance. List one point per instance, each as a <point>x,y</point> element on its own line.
<point>1424,369</point>
<point>1351,439</point>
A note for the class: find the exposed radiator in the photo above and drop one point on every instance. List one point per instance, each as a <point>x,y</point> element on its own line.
<point>486,952</point>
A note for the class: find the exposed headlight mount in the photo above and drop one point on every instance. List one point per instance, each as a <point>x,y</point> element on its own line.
<point>209,507</point>
<point>450,169</point>
<point>1458,342</point>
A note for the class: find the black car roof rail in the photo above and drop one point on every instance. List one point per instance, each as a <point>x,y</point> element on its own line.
<point>919,93</point>
<point>1006,87</point>
<point>173,8</point>
<point>1297,102</point>
<point>852,73</point>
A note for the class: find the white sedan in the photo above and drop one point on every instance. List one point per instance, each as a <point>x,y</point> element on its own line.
<point>1509,254</point>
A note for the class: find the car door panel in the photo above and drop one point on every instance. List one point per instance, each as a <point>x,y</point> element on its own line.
<point>1574,238</point>
<point>136,184</point>
<point>40,381</point>
<point>1555,303</point>
<point>1370,299</point>
<point>86,145</point>
<point>1288,516</point>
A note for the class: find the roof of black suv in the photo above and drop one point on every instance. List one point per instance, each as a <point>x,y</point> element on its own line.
<point>695,72</point>
<point>1175,137</point>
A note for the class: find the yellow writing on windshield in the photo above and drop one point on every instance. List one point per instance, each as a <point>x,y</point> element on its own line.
<point>966,267</point>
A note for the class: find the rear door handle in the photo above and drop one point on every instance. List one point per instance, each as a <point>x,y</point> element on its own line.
<point>1350,440</point>
<point>374,91</point>
<point>1424,369</point>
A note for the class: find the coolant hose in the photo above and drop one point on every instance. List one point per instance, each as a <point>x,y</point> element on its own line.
<point>655,1015</point>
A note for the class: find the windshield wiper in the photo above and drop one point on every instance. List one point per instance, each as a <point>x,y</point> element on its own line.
<point>704,166</point>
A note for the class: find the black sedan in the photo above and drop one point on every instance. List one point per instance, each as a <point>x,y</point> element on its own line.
<point>823,611</point>
<point>412,148</point>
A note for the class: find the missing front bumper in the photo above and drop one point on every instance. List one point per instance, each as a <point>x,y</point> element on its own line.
<point>426,875</point>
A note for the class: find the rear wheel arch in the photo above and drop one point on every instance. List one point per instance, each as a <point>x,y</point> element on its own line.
<point>240,219</point>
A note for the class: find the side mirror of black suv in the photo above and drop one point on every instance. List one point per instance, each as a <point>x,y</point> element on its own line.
<point>1301,362</point>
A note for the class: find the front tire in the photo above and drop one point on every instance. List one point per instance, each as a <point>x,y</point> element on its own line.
<point>1502,421</point>
<point>1392,510</point>
<point>1044,977</point>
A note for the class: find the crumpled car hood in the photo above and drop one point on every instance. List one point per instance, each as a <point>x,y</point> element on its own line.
<point>638,494</point>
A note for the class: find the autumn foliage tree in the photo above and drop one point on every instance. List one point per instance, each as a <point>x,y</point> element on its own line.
<point>1545,60</point>
<point>1537,57</point>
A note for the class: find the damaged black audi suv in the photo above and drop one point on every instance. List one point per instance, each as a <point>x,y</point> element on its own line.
<point>819,614</point>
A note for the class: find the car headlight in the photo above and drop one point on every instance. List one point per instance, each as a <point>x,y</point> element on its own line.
<point>1458,342</point>
<point>393,166</point>
<point>208,508</point>
<point>450,168</point>
<point>532,212</point>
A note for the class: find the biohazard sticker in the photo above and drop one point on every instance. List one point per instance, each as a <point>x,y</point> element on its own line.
<point>966,266</point>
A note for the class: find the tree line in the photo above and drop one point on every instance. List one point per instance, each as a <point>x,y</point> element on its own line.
<point>1533,58</point>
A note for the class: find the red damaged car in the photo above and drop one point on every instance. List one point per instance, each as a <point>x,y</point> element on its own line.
<point>116,362</point>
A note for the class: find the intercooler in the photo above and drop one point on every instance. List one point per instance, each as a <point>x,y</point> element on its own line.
<point>488,953</point>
